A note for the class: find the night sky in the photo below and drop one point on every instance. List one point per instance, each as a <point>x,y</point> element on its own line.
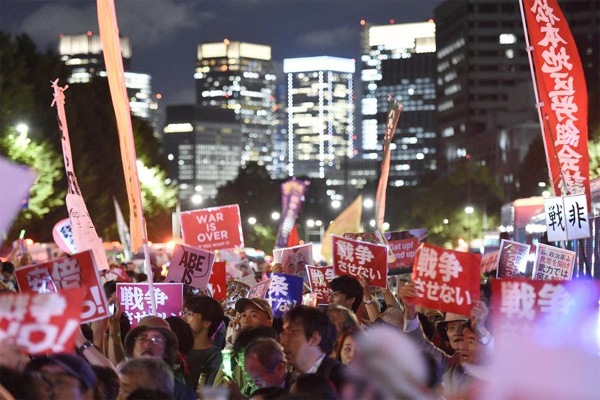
<point>165,33</point>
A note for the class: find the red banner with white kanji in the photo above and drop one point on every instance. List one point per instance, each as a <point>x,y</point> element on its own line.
<point>446,280</point>
<point>41,323</point>
<point>360,259</point>
<point>217,281</point>
<point>319,279</point>
<point>562,90</point>
<point>71,272</point>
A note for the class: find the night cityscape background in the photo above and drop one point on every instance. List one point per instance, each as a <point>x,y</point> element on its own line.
<point>232,98</point>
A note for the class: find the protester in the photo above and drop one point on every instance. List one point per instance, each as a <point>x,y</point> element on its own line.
<point>308,337</point>
<point>204,315</point>
<point>7,276</point>
<point>313,386</point>
<point>107,383</point>
<point>254,312</point>
<point>264,362</point>
<point>345,348</point>
<point>342,318</point>
<point>146,373</point>
<point>346,291</point>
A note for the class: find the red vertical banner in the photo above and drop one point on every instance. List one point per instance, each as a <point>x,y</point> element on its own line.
<point>446,280</point>
<point>563,92</point>
<point>218,281</point>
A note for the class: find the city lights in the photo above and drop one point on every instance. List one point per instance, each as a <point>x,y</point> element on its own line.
<point>252,220</point>
<point>275,215</point>
<point>368,203</point>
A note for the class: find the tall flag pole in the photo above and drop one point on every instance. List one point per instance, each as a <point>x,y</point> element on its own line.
<point>84,232</point>
<point>562,101</point>
<point>111,47</point>
<point>394,110</point>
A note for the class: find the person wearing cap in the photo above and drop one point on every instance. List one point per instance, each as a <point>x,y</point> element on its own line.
<point>254,312</point>
<point>63,376</point>
<point>205,316</point>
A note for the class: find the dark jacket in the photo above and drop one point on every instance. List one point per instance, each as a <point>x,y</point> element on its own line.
<point>334,371</point>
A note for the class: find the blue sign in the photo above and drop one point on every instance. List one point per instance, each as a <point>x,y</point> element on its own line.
<point>285,292</point>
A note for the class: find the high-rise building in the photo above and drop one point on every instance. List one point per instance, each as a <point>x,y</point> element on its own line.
<point>239,76</point>
<point>320,114</point>
<point>82,54</point>
<point>398,60</point>
<point>203,147</point>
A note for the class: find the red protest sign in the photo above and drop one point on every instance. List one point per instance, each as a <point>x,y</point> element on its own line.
<point>213,228</point>
<point>190,266</point>
<point>41,323</point>
<point>78,270</point>
<point>360,259</point>
<point>117,274</point>
<point>217,281</point>
<point>446,280</point>
<point>259,291</point>
<point>489,261</point>
<point>319,279</point>
<point>553,263</point>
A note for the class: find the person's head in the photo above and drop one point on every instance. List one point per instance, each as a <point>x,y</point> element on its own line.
<point>110,289</point>
<point>468,344</point>
<point>26,259</point>
<point>21,385</point>
<point>342,318</point>
<point>346,291</point>
<point>345,348</point>
<point>152,339</point>
<point>448,328</point>
<point>107,383</point>
<point>204,314</point>
<point>148,373</point>
<point>307,332</point>
<point>313,386</point>
<point>254,312</point>
<point>264,363</point>
<point>8,270</point>
<point>65,376</point>
<point>248,336</point>
<point>185,336</point>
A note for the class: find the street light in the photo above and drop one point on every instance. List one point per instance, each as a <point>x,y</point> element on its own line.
<point>196,199</point>
<point>318,222</point>
<point>275,215</point>
<point>385,226</point>
<point>22,129</point>
<point>368,203</point>
<point>310,223</point>
<point>469,209</point>
<point>251,220</point>
<point>446,221</point>
<point>336,204</point>
<point>372,223</point>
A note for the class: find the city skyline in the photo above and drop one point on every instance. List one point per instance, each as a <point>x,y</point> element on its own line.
<point>165,34</point>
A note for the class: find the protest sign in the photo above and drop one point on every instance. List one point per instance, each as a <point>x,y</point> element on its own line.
<point>319,279</point>
<point>136,303</point>
<point>259,291</point>
<point>285,292</point>
<point>217,280</point>
<point>404,245</point>
<point>293,260</point>
<point>553,263</point>
<point>446,280</point>
<point>190,266</point>
<point>41,322</point>
<point>235,291</point>
<point>248,280</point>
<point>63,236</point>
<point>567,218</point>
<point>520,304</point>
<point>117,274</point>
<point>512,261</point>
<point>213,228</point>
<point>489,261</point>
<point>71,272</point>
<point>292,194</point>
<point>360,259</point>
<point>555,219</point>
<point>14,186</point>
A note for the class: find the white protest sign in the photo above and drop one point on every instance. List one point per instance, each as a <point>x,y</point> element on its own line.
<point>553,263</point>
<point>555,219</point>
<point>63,236</point>
<point>190,266</point>
<point>14,186</point>
<point>576,215</point>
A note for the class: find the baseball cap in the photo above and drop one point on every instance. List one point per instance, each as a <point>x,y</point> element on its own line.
<point>74,365</point>
<point>261,304</point>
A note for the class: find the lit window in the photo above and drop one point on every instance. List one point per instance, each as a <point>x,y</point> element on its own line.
<point>508,38</point>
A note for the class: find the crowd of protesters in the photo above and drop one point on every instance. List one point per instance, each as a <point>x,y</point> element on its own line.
<point>368,343</point>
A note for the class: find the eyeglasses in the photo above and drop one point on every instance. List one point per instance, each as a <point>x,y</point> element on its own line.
<point>153,339</point>
<point>187,312</point>
<point>334,294</point>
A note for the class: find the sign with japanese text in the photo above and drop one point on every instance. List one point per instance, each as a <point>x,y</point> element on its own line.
<point>117,274</point>
<point>489,261</point>
<point>42,323</point>
<point>360,259</point>
<point>63,236</point>
<point>217,280</point>
<point>285,292</point>
<point>555,219</point>
<point>521,304</point>
<point>446,280</point>
<point>136,303</point>
<point>190,266</point>
<point>319,279</point>
<point>14,186</point>
<point>259,291</point>
<point>567,218</point>
<point>512,261</point>
<point>292,194</point>
<point>294,259</point>
<point>404,245</point>
<point>71,272</point>
<point>553,263</point>
<point>213,228</point>
<point>563,94</point>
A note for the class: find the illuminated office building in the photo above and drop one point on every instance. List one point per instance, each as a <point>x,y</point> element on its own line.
<point>320,114</point>
<point>399,60</point>
<point>82,54</point>
<point>239,76</point>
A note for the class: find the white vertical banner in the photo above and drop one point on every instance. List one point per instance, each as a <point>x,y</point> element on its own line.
<point>576,216</point>
<point>14,186</point>
<point>555,219</point>
<point>124,236</point>
<point>84,232</point>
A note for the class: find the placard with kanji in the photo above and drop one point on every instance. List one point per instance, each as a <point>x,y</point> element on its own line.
<point>190,266</point>
<point>78,270</point>
<point>553,263</point>
<point>136,303</point>
<point>213,228</point>
<point>512,261</point>
<point>259,290</point>
<point>217,281</point>
<point>41,323</point>
<point>360,259</point>
<point>319,279</point>
<point>567,218</point>
<point>285,292</point>
<point>446,280</point>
